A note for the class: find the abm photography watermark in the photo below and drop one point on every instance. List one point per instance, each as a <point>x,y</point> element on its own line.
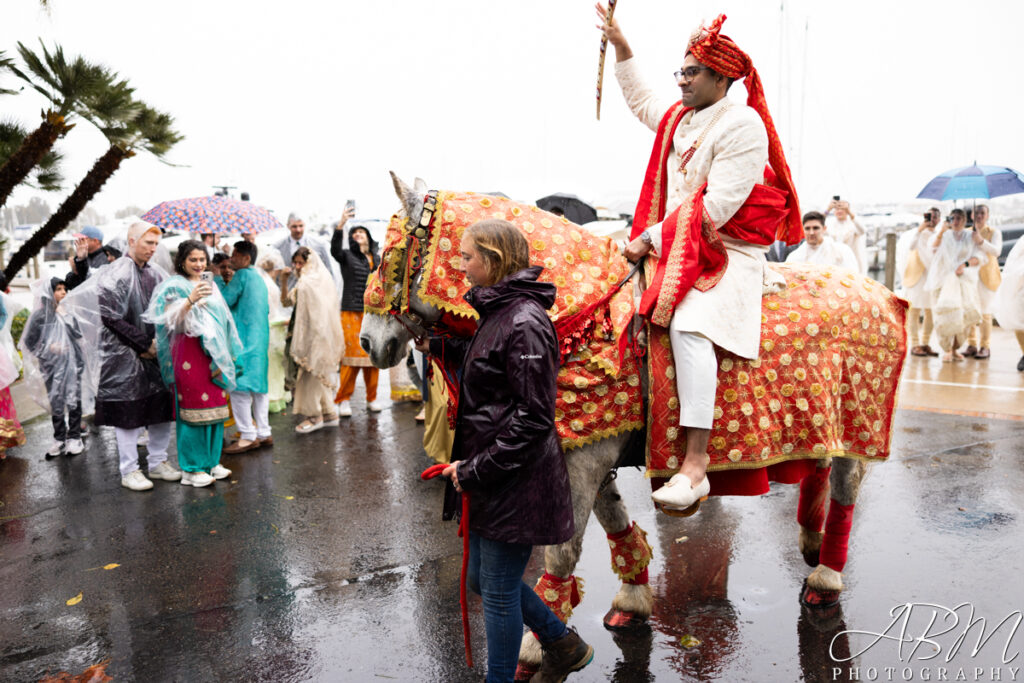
<point>931,642</point>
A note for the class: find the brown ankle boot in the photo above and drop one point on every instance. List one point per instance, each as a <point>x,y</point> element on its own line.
<point>567,654</point>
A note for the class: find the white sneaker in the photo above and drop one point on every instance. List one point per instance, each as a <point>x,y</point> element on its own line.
<point>136,481</point>
<point>220,472</point>
<point>344,409</point>
<point>375,406</point>
<point>75,447</point>
<point>55,449</point>
<point>165,472</point>
<point>197,479</point>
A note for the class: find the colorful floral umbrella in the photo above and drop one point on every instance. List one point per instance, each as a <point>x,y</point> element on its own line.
<point>974,182</point>
<point>221,215</point>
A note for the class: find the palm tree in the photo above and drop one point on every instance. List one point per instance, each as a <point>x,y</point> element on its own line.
<point>73,87</point>
<point>149,130</point>
<point>47,174</point>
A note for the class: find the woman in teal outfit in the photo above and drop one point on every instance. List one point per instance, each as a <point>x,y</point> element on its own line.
<point>197,346</point>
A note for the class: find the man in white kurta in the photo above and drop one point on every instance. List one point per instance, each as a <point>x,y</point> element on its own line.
<point>1009,301</point>
<point>730,156</point>
<point>989,241</point>
<point>953,284</point>
<point>820,248</point>
<point>917,246</point>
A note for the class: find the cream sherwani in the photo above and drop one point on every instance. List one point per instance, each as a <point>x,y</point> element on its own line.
<point>828,253</point>
<point>731,159</point>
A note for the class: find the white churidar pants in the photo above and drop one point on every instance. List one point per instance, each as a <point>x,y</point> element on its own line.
<point>246,404</point>
<point>128,446</point>
<point>696,378</point>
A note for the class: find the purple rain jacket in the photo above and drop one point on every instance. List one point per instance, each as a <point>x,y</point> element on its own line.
<point>512,462</point>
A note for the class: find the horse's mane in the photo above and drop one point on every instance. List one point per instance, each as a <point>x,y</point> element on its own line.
<point>583,267</point>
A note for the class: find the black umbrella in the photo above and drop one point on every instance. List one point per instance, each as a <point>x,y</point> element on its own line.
<point>571,206</point>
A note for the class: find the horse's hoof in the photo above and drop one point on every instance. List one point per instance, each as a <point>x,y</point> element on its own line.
<point>620,620</point>
<point>681,512</point>
<point>811,557</point>
<point>818,599</point>
<point>524,672</point>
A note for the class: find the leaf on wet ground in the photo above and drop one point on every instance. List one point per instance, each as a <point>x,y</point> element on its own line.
<point>213,531</point>
<point>108,567</point>
<point>682,539</point>
<point>689,641</point>
<point>74,601</point>
<point>276,530</point>
<point>285,497</point>
<point>97,673</point>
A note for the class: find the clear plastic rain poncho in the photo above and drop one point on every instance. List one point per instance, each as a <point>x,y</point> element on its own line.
<point>10,363</point>
<point>1009,304</point>
<point>209,320</point>
<point>58,346</point>
<point>123,291</point>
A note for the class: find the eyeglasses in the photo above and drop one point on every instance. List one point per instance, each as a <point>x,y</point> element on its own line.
<point>689,73</point>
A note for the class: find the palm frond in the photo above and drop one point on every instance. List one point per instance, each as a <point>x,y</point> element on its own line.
<point>149,129</point>
<point>47,174</point>
<point>72,85</point>
<point>5,65</point>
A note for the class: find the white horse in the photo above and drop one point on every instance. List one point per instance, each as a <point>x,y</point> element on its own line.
<point>385,338</point>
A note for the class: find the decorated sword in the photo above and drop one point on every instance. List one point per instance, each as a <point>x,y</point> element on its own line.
<point>604,50</point>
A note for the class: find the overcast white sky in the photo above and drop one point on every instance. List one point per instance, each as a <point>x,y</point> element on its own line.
<point>305,103</point>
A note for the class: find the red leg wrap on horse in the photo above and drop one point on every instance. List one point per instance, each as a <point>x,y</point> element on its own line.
<point>631,553</point>
<point>837,536</point>
<point>640,579</point>
<point>810,512</point>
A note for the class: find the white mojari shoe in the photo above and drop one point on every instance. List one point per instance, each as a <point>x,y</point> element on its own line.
<point>678,493</point>
<point>375,406</point>
<point>344,409</point>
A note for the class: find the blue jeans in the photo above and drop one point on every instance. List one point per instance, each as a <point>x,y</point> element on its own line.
<point>496,574</point>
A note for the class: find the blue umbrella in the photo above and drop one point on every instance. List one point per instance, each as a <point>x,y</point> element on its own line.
<point>974,182</point>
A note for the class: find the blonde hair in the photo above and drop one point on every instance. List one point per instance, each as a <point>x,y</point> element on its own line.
<point>501,246</point>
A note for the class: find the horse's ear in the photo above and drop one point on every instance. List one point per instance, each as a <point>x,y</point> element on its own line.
<point>411,200</point>
<point>420,186</point>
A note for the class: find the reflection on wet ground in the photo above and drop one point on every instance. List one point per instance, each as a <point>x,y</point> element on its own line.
<point>325,559</point>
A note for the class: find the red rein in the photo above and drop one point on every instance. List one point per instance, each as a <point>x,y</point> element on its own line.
<point>430,473</point>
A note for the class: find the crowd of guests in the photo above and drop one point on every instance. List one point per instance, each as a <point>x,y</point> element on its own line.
<point>950,278</point>
<point>224,336</point>
<point>950,275</point>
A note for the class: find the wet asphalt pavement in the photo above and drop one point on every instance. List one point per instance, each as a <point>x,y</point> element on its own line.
<point>324,559</point>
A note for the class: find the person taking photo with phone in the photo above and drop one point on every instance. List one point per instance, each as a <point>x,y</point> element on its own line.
<point>844,227</point>
<point>915,275</point>
<point>196,345</point>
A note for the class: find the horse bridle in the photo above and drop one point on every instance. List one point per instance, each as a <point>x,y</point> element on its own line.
<point>417,242</point>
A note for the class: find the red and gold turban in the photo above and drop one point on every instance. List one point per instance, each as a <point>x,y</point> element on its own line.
<point>719,52</point>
